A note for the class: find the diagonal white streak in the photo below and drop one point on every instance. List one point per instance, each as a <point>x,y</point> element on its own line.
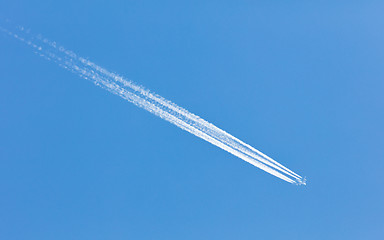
<point>154,103</point>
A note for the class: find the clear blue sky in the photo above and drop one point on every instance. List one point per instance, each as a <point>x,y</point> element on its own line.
<point>301,81</point>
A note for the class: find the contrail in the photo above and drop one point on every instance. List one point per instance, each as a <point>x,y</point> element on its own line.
<point>152,102</point>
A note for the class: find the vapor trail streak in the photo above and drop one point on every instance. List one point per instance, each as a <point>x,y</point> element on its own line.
<point>153,103</point>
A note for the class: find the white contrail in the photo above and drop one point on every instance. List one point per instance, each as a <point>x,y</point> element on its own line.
<point>153,103</point>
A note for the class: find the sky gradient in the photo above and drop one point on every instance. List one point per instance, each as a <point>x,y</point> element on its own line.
<point>302,82</point>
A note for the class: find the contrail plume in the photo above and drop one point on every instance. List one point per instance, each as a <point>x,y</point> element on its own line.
<point>152,102</point>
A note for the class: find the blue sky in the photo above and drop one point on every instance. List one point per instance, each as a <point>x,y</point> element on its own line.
<point>300,81</point>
